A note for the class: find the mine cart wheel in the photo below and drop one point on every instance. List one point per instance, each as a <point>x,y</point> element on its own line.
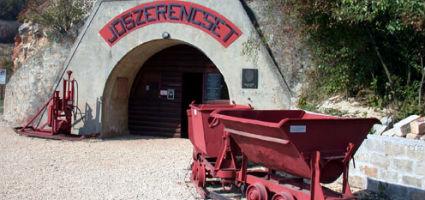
<point>283,196</point>
<point>257,192</point>
<point>202,173</point>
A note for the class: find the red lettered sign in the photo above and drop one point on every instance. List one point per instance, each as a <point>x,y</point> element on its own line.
<point>198,16</point>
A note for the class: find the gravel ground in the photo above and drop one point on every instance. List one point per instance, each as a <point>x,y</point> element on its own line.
<point>125,168</point>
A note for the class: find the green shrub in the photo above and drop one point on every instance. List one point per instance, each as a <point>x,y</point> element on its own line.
<point>409,105</point>
<point>304,104</point>
<point>11,8</point>
<point>372,50</point>
<point>7,64</point>
<point>59,16</point>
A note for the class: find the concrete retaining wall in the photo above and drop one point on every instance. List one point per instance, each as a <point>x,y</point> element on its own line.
<point>391,165</point>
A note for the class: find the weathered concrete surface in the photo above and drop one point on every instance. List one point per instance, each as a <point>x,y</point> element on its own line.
<point>125,168</point>
<point>97,65</point>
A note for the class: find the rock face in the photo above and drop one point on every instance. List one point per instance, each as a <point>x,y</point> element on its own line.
<point>30,39</point>
<point>38,64</point>
<point>8,31</point>
<point>418,126</point>
<point>281,33</point>
<point>352,108</point>
<point>402,128</point>
<point>32,83</point>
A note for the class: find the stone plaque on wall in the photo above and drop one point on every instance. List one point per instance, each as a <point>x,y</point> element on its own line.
<point>250,78</point>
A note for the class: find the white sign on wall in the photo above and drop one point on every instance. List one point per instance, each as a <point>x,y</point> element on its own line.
<point>2,76</point>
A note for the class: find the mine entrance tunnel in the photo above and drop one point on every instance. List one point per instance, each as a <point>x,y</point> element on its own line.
<point>165,86</point>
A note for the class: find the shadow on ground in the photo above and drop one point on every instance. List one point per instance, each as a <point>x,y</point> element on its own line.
<point>134,137</point>
<point>370,195</point>
<point>377,190</point>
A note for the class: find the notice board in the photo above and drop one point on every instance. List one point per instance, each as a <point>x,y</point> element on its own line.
<point>2,76</point>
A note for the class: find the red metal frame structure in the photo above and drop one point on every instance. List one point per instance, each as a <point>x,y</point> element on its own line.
<point>59,114</point>
<point>301,145</point>
<point>211,146</point>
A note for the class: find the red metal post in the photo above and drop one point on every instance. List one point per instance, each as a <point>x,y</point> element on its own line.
<point>243,172</point>
<point>315,188</point>
<point>55,113</point>
<point>226,159</point>
<point>345,184</point>
<point>73,91</point>
<point>64,94</point>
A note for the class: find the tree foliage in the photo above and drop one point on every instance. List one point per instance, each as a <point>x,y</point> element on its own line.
<point>366,48</point>
<point>9,9</point>
<point>58,15</point>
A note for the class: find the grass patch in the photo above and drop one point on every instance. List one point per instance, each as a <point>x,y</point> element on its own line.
<point>315,108</point>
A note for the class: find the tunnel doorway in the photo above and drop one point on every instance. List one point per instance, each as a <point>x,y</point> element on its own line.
<point>165,86</point>
<point>191,91</point>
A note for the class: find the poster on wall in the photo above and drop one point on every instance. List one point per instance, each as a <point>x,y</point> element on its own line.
<point>2,76</point>
<point>213,86</point>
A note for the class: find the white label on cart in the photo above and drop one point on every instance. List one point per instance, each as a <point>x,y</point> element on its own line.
<point>298,129</point>
<point>195,112</point>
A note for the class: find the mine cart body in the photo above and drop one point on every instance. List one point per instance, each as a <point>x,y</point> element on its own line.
<point>206,134</point>
<point>286,140</point>
<point>305,145</point>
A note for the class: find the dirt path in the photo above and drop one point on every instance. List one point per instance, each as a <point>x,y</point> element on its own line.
<point>126,168</point>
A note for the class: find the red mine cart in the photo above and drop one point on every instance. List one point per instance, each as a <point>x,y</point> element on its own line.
<point>206,135</point>
<point>310,147</point>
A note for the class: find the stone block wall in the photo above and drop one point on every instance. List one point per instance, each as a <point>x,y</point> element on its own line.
<point>390,165</point>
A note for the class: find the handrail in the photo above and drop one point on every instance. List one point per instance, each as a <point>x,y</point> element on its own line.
<point>37,115</point>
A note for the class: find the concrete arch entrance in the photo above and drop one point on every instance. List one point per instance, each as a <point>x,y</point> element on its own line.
<point>132,100</point>
<point>119,38</point>
<point>164,87</point>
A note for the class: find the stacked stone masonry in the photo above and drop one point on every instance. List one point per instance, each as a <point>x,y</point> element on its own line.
<point>391,165</point>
